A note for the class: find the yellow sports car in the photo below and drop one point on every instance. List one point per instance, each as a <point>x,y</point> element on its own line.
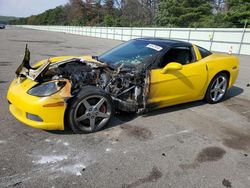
<point>139,75</point>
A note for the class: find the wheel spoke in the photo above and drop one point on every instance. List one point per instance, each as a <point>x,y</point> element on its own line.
<point>213,90</point>
<point>82,117</point>
<point>217,82</point>
<point>221,91</point>
<point>86,104</point>
<point>92,123</point>
<point>99,104</point>
<point>215,95</point>
<point>222,82</point>
<point>102,115</point>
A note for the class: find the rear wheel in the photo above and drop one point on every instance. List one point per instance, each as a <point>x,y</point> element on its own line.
<point>90,111</point>
<point>217,88</point>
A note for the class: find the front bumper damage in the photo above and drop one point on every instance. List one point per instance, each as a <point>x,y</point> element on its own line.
<point>40,112</point>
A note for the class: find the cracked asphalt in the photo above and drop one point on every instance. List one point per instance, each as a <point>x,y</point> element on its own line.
<point>189,145</point>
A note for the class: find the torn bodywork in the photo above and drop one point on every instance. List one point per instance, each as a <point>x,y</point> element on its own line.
<point>127,87</point>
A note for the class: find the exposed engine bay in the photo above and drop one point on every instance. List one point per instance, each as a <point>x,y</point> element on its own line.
<point>127,87</point>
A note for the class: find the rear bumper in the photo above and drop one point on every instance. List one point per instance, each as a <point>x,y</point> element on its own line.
<point>22,104</point>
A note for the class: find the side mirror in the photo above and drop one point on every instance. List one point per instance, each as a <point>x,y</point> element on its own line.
<point>171,67</point>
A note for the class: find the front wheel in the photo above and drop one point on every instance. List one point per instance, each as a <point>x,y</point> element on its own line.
<point>90,111</point>
<point>217,88</point>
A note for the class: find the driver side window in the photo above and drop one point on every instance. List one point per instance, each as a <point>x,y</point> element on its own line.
<point>182,55</point>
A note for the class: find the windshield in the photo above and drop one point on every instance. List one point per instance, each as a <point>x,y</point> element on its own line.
<point>131,54</point>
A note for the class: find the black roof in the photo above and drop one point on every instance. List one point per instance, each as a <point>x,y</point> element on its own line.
<point>165,42</point>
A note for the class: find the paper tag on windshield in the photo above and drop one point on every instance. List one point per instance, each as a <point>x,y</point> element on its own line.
<point>154,47</point>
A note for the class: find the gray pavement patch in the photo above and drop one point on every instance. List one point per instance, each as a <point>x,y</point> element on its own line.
<point>74,47</point>
<point>3,82</point>
<point>17,184</point>
<point>48,55</point>
<point>154,175</point>
<point>210,154</point>
<point>226,183</point>
<point>15,180</point>
<point>240,106</point>
<point>73,169</point>
<point>32,137</point>
<point>37,41</point>
<point>236,139</point>
<point>5,63</point>
<point>3,141</point>
<point>139,133</point>
<point>50,159</point>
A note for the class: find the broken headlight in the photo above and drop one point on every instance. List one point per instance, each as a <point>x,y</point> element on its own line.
<point>47,89</point>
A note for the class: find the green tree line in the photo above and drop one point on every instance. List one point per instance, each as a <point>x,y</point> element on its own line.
<point>6,19</point>
<point>145,13</point>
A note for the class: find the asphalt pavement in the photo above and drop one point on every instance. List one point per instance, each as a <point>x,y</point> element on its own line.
<point>185,146</point>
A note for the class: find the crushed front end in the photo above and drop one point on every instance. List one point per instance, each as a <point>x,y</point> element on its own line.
<point>39,95</point>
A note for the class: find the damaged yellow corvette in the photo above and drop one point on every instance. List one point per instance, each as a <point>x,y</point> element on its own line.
<point>139,75</point>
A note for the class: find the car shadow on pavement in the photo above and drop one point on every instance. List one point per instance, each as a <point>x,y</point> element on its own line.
<point>233,92</point>
<point>121,118</point>
<point>118,119</point>
<point>174,108</point>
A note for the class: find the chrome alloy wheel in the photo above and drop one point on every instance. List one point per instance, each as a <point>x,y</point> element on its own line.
<point>218,88</point>
<point>92,112</point>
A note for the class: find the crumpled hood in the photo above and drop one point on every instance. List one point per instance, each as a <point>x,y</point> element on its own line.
<point>33,72</point>
<point>53,60</point>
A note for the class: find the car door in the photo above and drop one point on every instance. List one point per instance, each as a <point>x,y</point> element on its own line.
<point>178,86</point>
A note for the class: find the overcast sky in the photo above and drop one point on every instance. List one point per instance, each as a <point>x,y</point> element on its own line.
<point>24,8</point>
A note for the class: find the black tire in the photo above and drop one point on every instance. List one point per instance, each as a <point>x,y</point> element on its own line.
<point>210,97</point>
<point>90,104</point>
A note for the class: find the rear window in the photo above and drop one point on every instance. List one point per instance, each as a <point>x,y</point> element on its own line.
<point>204,53</point>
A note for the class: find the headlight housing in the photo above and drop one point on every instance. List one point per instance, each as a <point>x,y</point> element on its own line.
<point>47,89</point>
